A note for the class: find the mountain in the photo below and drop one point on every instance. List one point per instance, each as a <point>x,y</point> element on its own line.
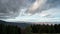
<point>20,24</point>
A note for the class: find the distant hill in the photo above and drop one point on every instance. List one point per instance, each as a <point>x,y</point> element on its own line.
<point>22,25</point>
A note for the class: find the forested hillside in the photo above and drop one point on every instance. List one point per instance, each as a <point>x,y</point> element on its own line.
<point>9,29</point>
<point>13,28</point>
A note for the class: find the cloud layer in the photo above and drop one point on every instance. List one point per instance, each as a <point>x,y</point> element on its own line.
<point>30,10</point>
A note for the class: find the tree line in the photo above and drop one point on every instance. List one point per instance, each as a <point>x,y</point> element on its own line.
<point>35,28</point>
<point>9,29</point>
<point>46,28</point>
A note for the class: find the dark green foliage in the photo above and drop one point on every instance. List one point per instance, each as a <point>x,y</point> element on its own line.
<point>46,28</point>
<point>9,29</point>
<point>28,30</point>
<point>31,29</point>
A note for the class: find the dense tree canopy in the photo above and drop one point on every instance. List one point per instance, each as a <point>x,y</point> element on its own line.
<point>46,28</point>
<point>9,29</point>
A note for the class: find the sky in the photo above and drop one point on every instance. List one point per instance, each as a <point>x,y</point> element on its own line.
<point>30,11</point>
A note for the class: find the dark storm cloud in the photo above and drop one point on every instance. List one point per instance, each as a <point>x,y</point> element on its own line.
<point>54,3</point>
<point>9,8</point>
<point>49,4</point>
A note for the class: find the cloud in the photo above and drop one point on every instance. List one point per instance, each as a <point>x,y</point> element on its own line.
<point>46,16</point>
<point>10,8</point>
<point>21,10</point>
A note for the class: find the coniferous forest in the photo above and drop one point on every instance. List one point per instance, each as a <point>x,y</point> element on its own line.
<point>9,29</point>
<point>31,29</point>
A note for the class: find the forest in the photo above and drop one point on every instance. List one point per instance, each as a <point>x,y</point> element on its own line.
<point>9,29</point>
<point>31,29</point>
